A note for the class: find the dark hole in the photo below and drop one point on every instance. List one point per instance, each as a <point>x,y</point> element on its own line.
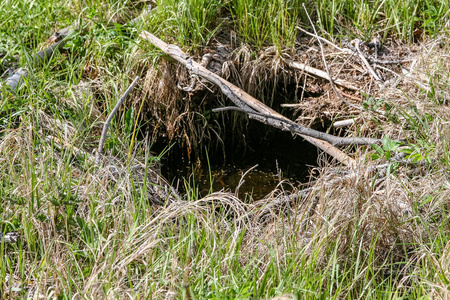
<point>246,143</point>
<point>278,155</point>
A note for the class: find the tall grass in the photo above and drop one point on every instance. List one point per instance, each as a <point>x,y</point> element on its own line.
<point>90,231</point>
<point>190,22</point>
<point>267,23</point>
<point>382,17</point>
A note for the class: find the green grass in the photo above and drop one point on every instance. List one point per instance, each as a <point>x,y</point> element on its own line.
<point>384,18</point>
<point>267,23</point>
<point>96,232</point>
<point>190,23</point>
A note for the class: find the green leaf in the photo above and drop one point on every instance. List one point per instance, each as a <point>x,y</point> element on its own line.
<point>379,150</point>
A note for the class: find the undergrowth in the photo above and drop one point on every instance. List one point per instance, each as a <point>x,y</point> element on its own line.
<point>117,230</point>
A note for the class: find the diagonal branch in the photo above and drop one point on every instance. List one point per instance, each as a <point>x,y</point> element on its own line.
<point>101,144</point>
<point>288,125</point>
<point>239,97</point>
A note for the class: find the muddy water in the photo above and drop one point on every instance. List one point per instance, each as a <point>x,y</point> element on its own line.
<point>278,156</point>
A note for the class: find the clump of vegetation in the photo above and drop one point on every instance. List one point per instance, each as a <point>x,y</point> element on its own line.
<point>376,229</point>
<point>369,18</point>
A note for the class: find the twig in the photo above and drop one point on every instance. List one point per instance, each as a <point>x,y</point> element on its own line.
<point>324,40</point>
<point>305,131</point>
<point>101,144</point>
<point>390,62</point>
<point>368,66</point>
<point>350,96</point>
<point>291,105</point>
<point>344,123</point>
<point>321,74</point>
<point>235,108</point>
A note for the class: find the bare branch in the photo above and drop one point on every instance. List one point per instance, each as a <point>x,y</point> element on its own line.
<point>239,97</point>
<point>101,144</point>
<point>288,125</point>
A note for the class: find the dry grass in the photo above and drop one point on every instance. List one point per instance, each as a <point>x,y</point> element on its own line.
<point>119,230</point>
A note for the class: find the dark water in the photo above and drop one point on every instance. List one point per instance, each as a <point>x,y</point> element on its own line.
<point>278,156</point>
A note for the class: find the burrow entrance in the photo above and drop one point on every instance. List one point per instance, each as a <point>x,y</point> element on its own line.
<point>279,156</point>
<point>223,146</point>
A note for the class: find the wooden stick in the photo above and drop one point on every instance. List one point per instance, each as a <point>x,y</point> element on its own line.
<point>343,123</point>
<point>288,125</point>
<point>368,66</point>
<point>14,81</point>
<point>238,96</point>
<point>101,144</point>
<point>321,74</point>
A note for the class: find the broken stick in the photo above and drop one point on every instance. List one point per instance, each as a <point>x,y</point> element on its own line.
<point>14,81</point>
<point>285,124</point>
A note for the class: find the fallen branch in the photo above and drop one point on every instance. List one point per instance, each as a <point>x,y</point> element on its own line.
<point>15,80</point>
<point>101,144</point>
<point>238,96</point>
<point>390,62</point>
<point>288,125</point>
